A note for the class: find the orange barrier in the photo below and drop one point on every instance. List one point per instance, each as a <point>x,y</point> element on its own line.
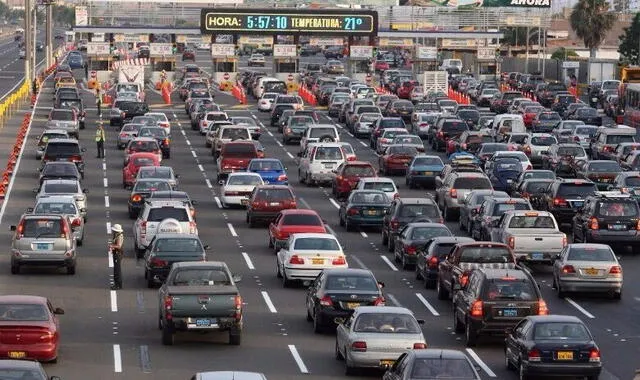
<point>166,94</point>
<point>13,156</point>
<point>238,92</point>
<point>307,96</point>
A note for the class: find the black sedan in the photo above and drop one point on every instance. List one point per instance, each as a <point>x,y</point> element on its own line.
<point>545,122</point>
<point>431,364</point>
<point>166,249</point>
<point>587,115</point>
<point>59,170</point>
<point>552,345</point>
<point>141,190</point>
<point>330,298</point>
<point>160,134</point>
<point>412,237</point>
<point>364,208</point>
<point>430,255</point>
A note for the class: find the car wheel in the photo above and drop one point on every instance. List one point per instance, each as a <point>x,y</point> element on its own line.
<point>471,335</point>
<point>558,288</point>
<point>457,325</point>
<point>71,269</point>
<point>429,283</point>
<point>418,273</point>
<point>150,283</point>
<point>348,369</point>
<point>443,294</point>
<point>403,261</point>
<point>347,225</point>
<point>278,273</point>
<point>392,244</point>
<point>447,214</point>
<point>507,362</point>
<point>168,336</point>
<point>385,238</point>
<point>617,295</point>
<point>15,268</point>
<point>235,337</point>
<point>340,221</point>
<point>285,281</point>
<point>300,177</point>
<point>317,327</point>
<point>522,375</point>
<point>338,354</point>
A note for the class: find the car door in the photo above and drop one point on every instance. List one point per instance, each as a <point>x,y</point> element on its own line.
<point>389,214</point>
<point>559,262</point>
<point>514,340</point>
<point>342,332</point>
<point>304,162</point>
<point>497,233</point>
<point>273,226</point>
<point>312,292</point>
<point>400,238</point>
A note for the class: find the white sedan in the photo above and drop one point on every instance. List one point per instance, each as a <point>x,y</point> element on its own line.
<point>305,255</point>
<point>266,101</point>
<point>237,187</point>
<point>161,119</point>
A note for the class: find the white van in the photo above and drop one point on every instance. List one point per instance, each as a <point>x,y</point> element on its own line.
<point>259,89</point>
<point>505,124</point>
<point>129,87</point>
<point>448,64</point>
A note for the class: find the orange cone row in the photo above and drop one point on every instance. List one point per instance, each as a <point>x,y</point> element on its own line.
<point>458,96</point>
<point>13,156</point>
<point>307,96</point>
<point>239,93</point>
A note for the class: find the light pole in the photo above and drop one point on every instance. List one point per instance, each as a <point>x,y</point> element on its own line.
<point>48,38</point>
<point>28,40</point>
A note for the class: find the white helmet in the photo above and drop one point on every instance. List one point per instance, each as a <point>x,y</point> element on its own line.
<point>116,228</point>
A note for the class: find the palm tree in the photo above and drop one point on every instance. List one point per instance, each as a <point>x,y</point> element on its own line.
<point>591,20</point>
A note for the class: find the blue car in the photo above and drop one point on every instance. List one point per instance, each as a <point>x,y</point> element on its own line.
<point>423,170</point>
<point>76,62</point>
<point>505,172</point>
<point>270,169</point>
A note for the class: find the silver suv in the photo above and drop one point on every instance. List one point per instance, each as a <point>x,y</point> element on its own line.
<point>65,119</point>
<point>162,217</point>
<point>64,187</point>
<point>455,186</point>
<point>43,240</point>
<point>62,205</point>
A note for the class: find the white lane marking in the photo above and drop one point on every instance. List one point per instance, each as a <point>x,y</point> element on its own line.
<point>269,133</point>
<point>427,305</point>
<point>117,359</point>
<point>363,234</point>
<point>105,182</point>
<point>114,301</point>
<point>331,231</point>
<point>298,359</point>
<point>358,261</point>
<point>254,116</point>
<point>267,300</point>
<point>183,132</point>
<point>209,185</point>
<point>247,259</point>
<point>580,308</point>
<point>389,263</point>
<point>218,202</point>
<point>200,167</point>
<point>104,166</point>
<point>363,143</point>
<point>188,143</point>
<point>108,228</point>
<point>480,363</point>
<point>304,203</point>
<point>106,201</point>
<point>394,300</point>
<point>110,259</point>
<point>290,155</point>
<point>193,153</point>
<point>279,143</point>
<point>232,230</point>
<point>334,203</point>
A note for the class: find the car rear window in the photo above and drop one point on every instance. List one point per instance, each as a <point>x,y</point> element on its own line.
<point>549,116</point>
<point>536,187</point>
<point>359,171</point>
<point>441,250</point>
<point>156,133</point>
<point>314,243</point>
<point>319,132</point>
<point>164,173</point>
<point>426,233</point>
<point>543,140</point>
<point>55,208</point>
<point>161,213</point>
<point>508,165</point>
<point>151,185</point>
<point>563,331</point>
<point>455,126</point>
<point>275,195</point>
<point>382,186</point>
<point>217,117</point>
<point>590,254</point>
<point>501,208</point>
<point>328,153</point>
<point>60,170</point>
<point>391,323</point>
<point>576,189</point>
<point>61,188</point>
<point>486,255</point>
<point>369,198</point>
<point>575,151</point>
<point>474,183</point>
<point>143,146</point>
<point>392,123</point>
<point>604,167</point>
<point>63,149</point>
<point>235,134</point>
<point>414,211</point>
<point>533,221</point>
<point>402,150</point>
<point>178,245</point>
<point>302,220</point>
<point>239,150</point>
<point>22,312</point>
<point>42,228</point>
<point>244,180</point>
<point>612,208</point>
<point>510,289</point>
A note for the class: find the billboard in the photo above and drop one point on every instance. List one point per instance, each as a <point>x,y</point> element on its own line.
<point>465,4</point>
<point>82,16</point>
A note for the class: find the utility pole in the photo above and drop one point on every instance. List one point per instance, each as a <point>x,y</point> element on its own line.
<point>34,54</point>
<point>48,38</point>
<point>526,59</point>
<point>28,40</point>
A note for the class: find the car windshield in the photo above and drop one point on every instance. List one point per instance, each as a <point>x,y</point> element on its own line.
<point>244,180</point>
<point>617,139</point>
<point>62,115</point>
<point>442,368</point>
<point>61,188</point>
<point>274,195</point>
<point>60,170</point>
<point>23,312</point>
<point>604,167</point>
<point>590,254</point>
<point>486,255</point>
<point>576,189</point>
<point>426,233</point>
<point>472,183</point>
<point>158,214</point>
<point>532,221</point>
<point>151,185</point>
<point>178,245</point>
<point>316,243</point>
<point>42,228</point>
<point>163,173</point>
<point>201,277</point>
<point>543,140</point>
<point>380,185</point>
<point>612,208</point>
<point>560,331</point>
<point>55,208</point>
<point>386,323</point>
<point>302,220</point>
<point>510,288</point>
<point>367,197</point>
<point>501,208</point>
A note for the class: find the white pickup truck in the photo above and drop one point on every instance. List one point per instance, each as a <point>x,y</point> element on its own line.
<point>533,236</point>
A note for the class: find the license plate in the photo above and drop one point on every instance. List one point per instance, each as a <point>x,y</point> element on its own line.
<point>592,271</point>
<point>328,166</point>
<point>617,227</point>
<point>317,261</point>
<point>565,355</point>
<point>537,256</point>
<point>42,246</point>
<point>385,363</point>
<point>352,305</point>
<point>203,322</point>
<point>427,173</point>
<point>509,312</point>
<point>17,354</point>
<point>274,204</point>
<point>372,212</point>
<point>578,204</point>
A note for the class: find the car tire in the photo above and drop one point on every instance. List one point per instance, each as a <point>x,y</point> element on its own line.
<point>71,269</point>
<point>150,283</point>
<point>403,262</point>
<point>507,362</point>
<point>447,214</point>
<point>138,250</point>
<point>309,317</point>
<point>385,238</point>
<point>235,337</point>
<point>168,335</point>
<point>278,273</point>
<point>80,241</point>
<point>348,369</point>
<point>15,268</point>
<point>559,292</point>
<point>429,283</point>
<point>286,283</point>
<point>317,327</point>
<point>471,336</point>
<point>458,327</point>
<point>443,294</point>
<point>617,295</point>
<point>522,375</point>
<point>338,354</point>
<point>250,221</point>
<point>392,245</point>
<point>418,273</point>
<point>340,221</point>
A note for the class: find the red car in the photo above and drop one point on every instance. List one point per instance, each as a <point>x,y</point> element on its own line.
<point>29,328</point>
<point>396,159</point>
<point>347,176</point>
<point>267,201</point>
<point>189,54</point>
<point>530,114</point>
<point>381,66</point>
<point>133,165</point>
<point>293,221</point>
<point>404,91</point>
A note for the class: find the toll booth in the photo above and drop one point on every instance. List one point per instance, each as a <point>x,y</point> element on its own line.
<point>69,40</point>
<point>360,62</point>
<point>162,62</point>
<point>570,68</point>
<point>425,58</point>
<point>255,44</point>
<point>487,65</point>
<point>99,60</point>
<point>285,65</point>
<point>225,65</point>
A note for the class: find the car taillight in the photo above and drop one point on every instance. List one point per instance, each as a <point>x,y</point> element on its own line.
<point>607,148</point>
<point>168,305</point>
<point>568,269</point>
<point>529,167</point>
<point>542,308</point>
<point>419,346</point>
<point>576,138</point>
<point>287,130</point>
<point>64,230</point>
<point>440,135</point>
<point>359,346</point>
<point>352,211</point>
<point>123,135</point>
<point>326,301</point>
<point>433,262</point>
<point>238,305</point>
<point>593,223</point>
<point>339,178</point>
<point>143,228</point>
<point>453,193</point>
<point>340,260</point>
<point>75,159</point>
<point>594,355</point>
<point>394,224</point>
<point>615,270</point>
<point>476,309</point>
<point>47,336</point>
<point>282,177</point>
<point>156,262</point>
<point>534,355</point>
<point>560,202</point>
<point>19,230</point>
<point>564,240</point>
<point>525,195</point>
<point>296,260</point>
<point>511,242</point>
<point>136,198</point>
<point>192,227</point>
<point>166,141</point>
<point>411,250</point>
<point>76,222</point>
<point>379,302</point>
<point>638,225</point>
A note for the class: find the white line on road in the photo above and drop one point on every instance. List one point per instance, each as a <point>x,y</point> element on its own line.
<point>105,182</point>
<point>298,359</point>
<point>108,228</point>
<point>104,166</point>
<point>479,361</point>
<point>304,203</point>
<point>267,300</point>
<point>331,231</point>
<point>394,300</point>
<point>290,155</point>
<point>427,305</point>
<point>114,301</point>
<point>233,230</point>
<point>247,259</point>
<point>218,202</point>
<point>117,359</point>
<point>389,263</point>
<point>334,203</point>
<point>106,201</point>
<point>363,234</point>
<point>110,259</point>
<point>269,133</point>
<point>193,153</point>
<point>357,260</point>
<point>208,183</point>
<point>363,143</point>
<point>279,143</point>
<point>580,308</point>
<point>183,132</point>
<point>200,167</point>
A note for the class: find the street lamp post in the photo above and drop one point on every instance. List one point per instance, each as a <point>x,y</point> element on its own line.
<point>28,40</point>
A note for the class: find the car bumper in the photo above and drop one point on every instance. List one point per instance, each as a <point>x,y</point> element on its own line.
<point>613,237</point>
<point>328,316</point>
<point>232,199</point>
<point>373,359</point>
<point>40,352</point>
<point>537,256</point>
<point>189,323</point>
<point>596,285</point>
<point>395,166</point>
<point>362,221</point>
<point>492,328</point>
<point>323,176</point>
<point>423,179</point>
<point>46,259</point>
<point>562,369</point>
<point>264,107</point>
<point>264,215</point>
<point>301,274</point>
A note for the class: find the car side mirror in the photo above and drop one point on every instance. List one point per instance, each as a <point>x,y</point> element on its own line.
<point>299,154</point>
<point>55,378</point>
<point>83,210</point>
<point>58,311</point>
<point>177,175</point>
<point>221,182</point>
<point>420,321</point>
<point>83,149</point>
<point>207,247</point>
<point>29,209</point>
<point>12,228</point>
<point>35,190</point>
<point>544,153</point>
<point>380,285</point>
<point>86,191</point>
<point>236,278</point>
<point>495,223</point>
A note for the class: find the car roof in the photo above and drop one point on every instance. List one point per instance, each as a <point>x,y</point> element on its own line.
<point>23,298</point>
<point>313,235</point>
<point>495,273</point>
<point>61,181</point>
<point>553,318</point>
<point>416,201</point>
<point>176,236</point>
<point>347,271</point>
<point>382,309</point>
<point>298,211</point>
<point>68,141</point>
<point>19,364</point>
<point>231,375</point>
<point>376,179</point>
<point>439,353</point>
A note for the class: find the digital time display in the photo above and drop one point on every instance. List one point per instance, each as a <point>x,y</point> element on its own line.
<point>283,21</point>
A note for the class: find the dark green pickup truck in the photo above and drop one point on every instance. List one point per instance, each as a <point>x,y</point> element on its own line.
<point>200,296</point>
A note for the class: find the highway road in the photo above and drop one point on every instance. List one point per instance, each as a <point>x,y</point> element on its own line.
<point>112,334</point>
<point>11,66</point>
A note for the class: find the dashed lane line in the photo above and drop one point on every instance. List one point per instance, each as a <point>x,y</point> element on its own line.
<point>200,167</point>
<point>106,201</point>
<point>296,356</point>
<point>480,363</point>
<point>334,203</point>
<point>364,234</point>
<point>389,263</point>
<point>193,153</point>
<point>208,182</point>
<point>232,230</point>
<point>290,155</point>
<point>108,228</point>
<point>105,182</point>
<point>247,260</point>
<point>114,301</point>
<point>218,203</point>
<point>279,143</point>
<point>267,300</point>
<point>189,144</point>
<point>580,308</point>
<point>117,359</point>
<point>394,300</point>
<point>427,305</point>
<point>358,261</point>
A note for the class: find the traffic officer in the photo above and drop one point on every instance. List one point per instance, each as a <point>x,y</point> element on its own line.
<point>100,137</point>
<point>117,251</point>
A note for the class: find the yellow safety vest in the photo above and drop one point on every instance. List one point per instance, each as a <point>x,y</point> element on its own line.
<point>99,135</point>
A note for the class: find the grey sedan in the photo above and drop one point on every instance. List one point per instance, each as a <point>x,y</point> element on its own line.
<point>375,336</point>
<point>128,132</point>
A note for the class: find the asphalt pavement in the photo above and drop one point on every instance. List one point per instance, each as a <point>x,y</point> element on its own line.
<point>112,334</point>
